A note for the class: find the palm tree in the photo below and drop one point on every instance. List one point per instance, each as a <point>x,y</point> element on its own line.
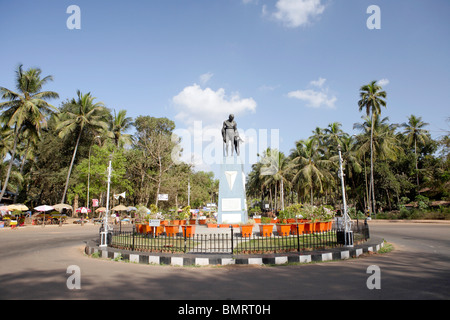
<point>379,137</point>
<point>121,123</point>
<point>415,134</point>
<point>307,164</point>
<point>274,173</point>
<point>82,114</point>
<point>28,104</point>
<point>372,99</point>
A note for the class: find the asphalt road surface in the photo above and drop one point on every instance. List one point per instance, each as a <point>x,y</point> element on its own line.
<point>34,262</point>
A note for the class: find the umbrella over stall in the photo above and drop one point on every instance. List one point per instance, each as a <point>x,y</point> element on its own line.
<point>83,210</point>
<point>44,208</point>
<point>18,206</point>
<point>61,206</point>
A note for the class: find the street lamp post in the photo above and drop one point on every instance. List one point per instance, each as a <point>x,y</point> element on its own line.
<point>105,232</point>
<point>348,233</point>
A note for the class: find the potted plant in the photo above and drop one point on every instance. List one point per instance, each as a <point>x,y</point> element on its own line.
<point>283,228</point>
<point>187,228</point>
<point>211,223</point>
<point>265,228</point>
<point>247,228</point>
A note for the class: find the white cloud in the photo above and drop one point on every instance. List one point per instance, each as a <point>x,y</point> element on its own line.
<point>204,78</point>
<point>318,83</point>
<point>211,107</point>
<point>315,98</point>
<point>383,82</point>
<point>295,13</point>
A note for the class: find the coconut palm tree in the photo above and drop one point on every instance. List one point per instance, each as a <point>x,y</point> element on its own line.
<point>415,133</point>
<point>29,104</point>
<point>372,99</point>
<point>82,114</point>
<point>379,137</point>
<point>120,123</point>
<point>308,167</point>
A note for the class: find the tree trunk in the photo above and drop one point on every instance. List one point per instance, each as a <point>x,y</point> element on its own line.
<point>70,168</point>
<point>417,167</point>
<point>371,165</point>
<point>8,173</point>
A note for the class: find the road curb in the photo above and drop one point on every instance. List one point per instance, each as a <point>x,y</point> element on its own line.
<point>371,246</point>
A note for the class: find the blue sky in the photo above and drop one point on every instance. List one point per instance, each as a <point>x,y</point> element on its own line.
<point>287,65</point>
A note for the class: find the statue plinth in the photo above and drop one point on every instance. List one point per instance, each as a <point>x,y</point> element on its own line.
<point>232,206</point>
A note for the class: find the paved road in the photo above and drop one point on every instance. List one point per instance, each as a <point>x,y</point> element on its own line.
<point>34,262</point>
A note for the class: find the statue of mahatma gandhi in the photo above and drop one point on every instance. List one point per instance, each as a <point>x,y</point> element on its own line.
<point>230,136</point>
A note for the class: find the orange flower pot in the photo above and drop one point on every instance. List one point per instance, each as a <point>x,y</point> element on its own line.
<point>172,230</point>
<point>329,225</point>
<point>246,230</point>
<point>192,221</point>
<point>211,225</point>
<point>265,230</point>
<point>176,222</point>
<point>310,227</point>
<point>257,220</point>
<point>164,222</point>
<point>283,229</point>
<point>146,229</point>
<point>188,230</point>
<point>158,230</point>
<point>297,228</point>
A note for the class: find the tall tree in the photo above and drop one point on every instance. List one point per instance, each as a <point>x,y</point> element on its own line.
<point>28,104</point>
<point>154,139</point>
<point>81,114</point>
<point>310,169</point>
<point>120,123</point>
<point>372,99</point>
<point>415,133</point>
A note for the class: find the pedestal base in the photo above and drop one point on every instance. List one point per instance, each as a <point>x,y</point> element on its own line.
<point>232,206</point>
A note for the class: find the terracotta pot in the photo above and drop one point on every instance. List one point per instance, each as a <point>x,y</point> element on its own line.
<point>202,221</point>
<point>290,220</point>
<point>188,230</point>
<point>146,229</point>
<point>211,225</point>
<point>176,222</point>
<point>172,230</point>
<point>158,230</point>
<point>273,220</point>
<point>283,229</point>
<point>192,221</point>
<point>139,228</point>
<point>265,230</point>
<point>224,225</point>
<point>182,222</point>
<point>329,225</point>
<point>298,228</point>
<point>257,220</point>
<point>309,227</point>
<point>164,222</point>
<point>246,230</point>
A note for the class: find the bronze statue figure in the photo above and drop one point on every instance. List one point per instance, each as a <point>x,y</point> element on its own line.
<point>230,136</point>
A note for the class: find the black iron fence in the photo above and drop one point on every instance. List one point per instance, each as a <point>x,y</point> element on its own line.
<point>232,241</point>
